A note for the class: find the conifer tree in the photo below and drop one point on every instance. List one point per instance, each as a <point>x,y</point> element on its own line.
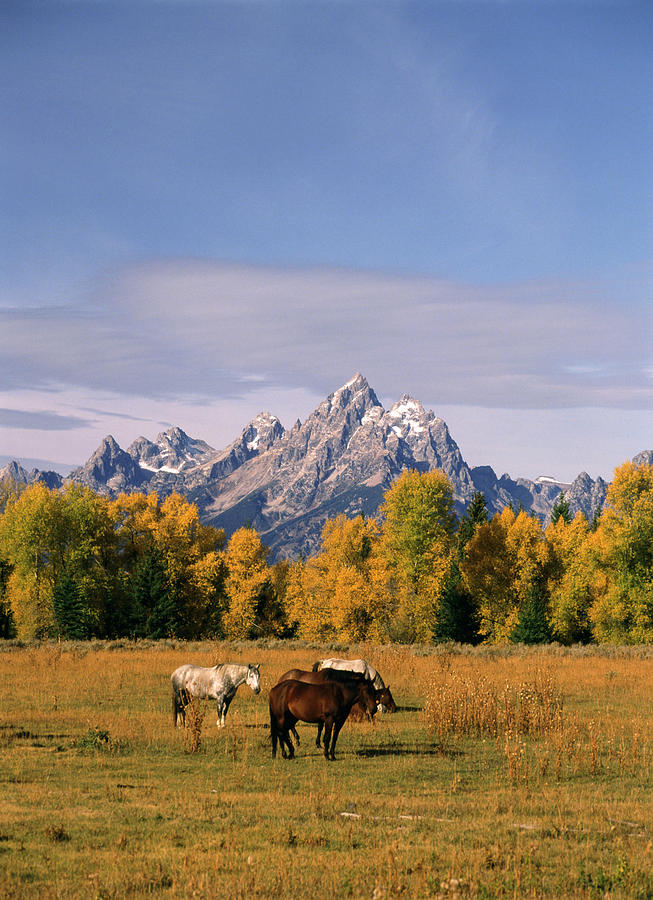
<point>7,624</point>
<point>456,617</point>
<point>532,626</point>
<point>154,613</point>
<point>69,611</point>
<point>476,514</point>
<point>561,510</point>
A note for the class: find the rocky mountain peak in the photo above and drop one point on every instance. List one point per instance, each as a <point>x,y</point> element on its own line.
<point>108,448</point>
<point>356,391</point>
<point>262,432</point>
<point>408,417</point>
<point>172,452</point>
<point>337,418</point>
<point>13,471</point>
<point>17,474</point>
<point>109,468</point>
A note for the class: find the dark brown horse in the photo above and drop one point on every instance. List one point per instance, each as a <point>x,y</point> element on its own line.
<point>358,712</point>
<point>384,699</point>
<point>327,704</point>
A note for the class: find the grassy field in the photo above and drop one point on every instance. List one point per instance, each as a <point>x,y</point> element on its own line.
<point>511,773</point>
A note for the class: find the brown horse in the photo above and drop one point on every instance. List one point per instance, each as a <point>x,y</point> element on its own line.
<point>384,699</point>
<point>327,704</point>
<point>357,713</point>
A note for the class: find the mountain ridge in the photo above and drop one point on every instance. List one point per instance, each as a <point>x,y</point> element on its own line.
<point>342,459</point>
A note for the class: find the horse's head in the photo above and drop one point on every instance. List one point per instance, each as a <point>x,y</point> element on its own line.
<point>254,678</point>
<point>385,701</point>
<point>367,696</point>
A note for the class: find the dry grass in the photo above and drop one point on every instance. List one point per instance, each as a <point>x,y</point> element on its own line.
<point>503,774</point>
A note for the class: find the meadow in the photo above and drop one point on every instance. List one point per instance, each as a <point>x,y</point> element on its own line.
<point>504,773</point>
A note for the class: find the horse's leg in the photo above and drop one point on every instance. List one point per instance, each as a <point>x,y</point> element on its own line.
<point>184,700</point>
<point>225,707</point>
<point>295,735</point>
<point>319,734</point>
<point>328,727</point>
<point>337,725</point>
<point>291,722</point>
<point>274,734</point>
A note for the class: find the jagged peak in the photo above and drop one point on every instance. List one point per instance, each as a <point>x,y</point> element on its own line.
<point>108,444</point>
<point>174,435</point>
<point>582,478</point>
<point>13,470</point>
<point>264,418</point>
<point>356,383</point>
<point>406,406</point>
<point>355,386</point>
<point>265,427</point>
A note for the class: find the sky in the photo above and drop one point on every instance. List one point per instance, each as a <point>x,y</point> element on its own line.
<point>212,209</point>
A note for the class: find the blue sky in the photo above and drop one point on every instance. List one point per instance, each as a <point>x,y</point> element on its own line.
<point>209,209</point>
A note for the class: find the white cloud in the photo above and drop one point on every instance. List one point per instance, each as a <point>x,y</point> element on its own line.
<point>193,329</point>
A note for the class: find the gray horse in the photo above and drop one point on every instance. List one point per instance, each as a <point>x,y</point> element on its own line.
<point>218,683</point>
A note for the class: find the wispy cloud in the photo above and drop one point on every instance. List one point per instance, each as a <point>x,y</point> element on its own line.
<point>40,420</point>
<point>201,330</point>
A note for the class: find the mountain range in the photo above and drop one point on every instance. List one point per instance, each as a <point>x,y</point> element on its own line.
<point>286,483</point>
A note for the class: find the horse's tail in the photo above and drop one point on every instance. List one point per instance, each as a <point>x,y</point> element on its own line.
<point>175,708</point>
<point>316,666</point>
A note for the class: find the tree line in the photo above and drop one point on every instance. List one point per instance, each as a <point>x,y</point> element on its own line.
<point>75,564</point>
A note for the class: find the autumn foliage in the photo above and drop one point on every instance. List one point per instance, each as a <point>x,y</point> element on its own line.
<point>77,564</point>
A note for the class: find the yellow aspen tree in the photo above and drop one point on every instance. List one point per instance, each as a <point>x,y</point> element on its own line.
<point>33,538</point>
<point>353,611</point>
<point>487,568</point>
<point>417,542</point>
<point>530,552</point>
<point>570,583</point>
<point>247,574</point>
<point>207,599</point>
<point>309,598</point>
<point>623,612</point>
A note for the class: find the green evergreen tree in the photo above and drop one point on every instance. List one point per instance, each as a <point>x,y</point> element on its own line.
<point>69,611</point>
<point>561,510</point>
<point>596,518</point>
<point>7,624</point>
<point>455,617</point>
<point>154,610</point>
<point>532,626</point>
<point>117,619</point>
<point>476,514</point>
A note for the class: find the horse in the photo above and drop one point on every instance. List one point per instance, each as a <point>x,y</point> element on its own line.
<point>357,712</point>
<point>327,704</point>
<point>362,667</point>
<point>385,703</point>
<point>218,683</point>
<point>352,665</point>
